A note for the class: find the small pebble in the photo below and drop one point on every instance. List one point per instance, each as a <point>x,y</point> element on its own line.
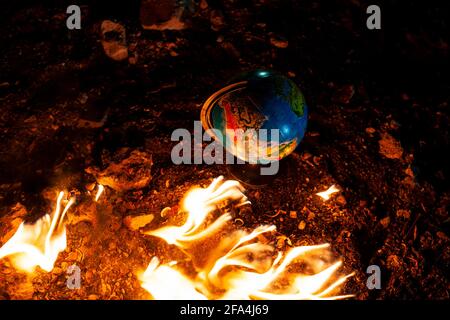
<point>402,213</point>
<point>385,222</point>
<point>302,225</point>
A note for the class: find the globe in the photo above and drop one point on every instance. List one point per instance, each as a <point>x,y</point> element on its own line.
<point>259,116</point>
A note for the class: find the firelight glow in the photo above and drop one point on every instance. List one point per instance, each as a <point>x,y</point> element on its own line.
<point>100,190</point>
<point>235,264</point>
<point>39,244</point>
<point>325,195</point>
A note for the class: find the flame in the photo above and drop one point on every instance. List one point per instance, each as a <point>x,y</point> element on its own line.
<point>100,190</point>
<point>325,195</point>
<point>234,264</point>
<point>40,243</point>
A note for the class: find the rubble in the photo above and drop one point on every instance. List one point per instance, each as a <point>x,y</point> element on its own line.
<point>131,173</point>
<point>279,42</point>
<point>390,147</point>
<point>114,40</point>
<point>136,222</point>
<point>162,15</point>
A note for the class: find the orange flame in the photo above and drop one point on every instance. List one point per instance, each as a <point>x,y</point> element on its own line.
<point>234,264</point>
<point>325,195</point>
<point>40,243</point>
<point>100,190</point>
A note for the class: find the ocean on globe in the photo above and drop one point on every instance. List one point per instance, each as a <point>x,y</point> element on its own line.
<point>252,101</point>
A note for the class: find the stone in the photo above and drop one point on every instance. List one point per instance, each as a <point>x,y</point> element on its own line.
<point>302,225</point>
<point>114,40</point>
<point>393,262</point>
<point>217,20</point>
<point>136,222</point>
<point>10,222</point>
<point>85,212</point>
<point>72,256</point>
<point>390,147</point>
<point>402,213</point>
<point>131,173</point>
<point>279,42</point>
<point>385,222</point>
<point>370,130</point>
<point>341,200</point>
<point>162,15</point>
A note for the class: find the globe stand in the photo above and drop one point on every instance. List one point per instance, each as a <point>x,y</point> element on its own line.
<point>250,174</point>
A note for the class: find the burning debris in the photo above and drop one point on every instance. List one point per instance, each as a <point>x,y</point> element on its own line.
<point>325,195</point>
<point>39,244</point>
<point>235,264</point>
<point>100,190</point>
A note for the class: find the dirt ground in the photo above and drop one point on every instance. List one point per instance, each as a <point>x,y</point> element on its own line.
<point>378,129</point>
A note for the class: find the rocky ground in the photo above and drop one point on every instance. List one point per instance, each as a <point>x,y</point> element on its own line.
<point>73,102</point>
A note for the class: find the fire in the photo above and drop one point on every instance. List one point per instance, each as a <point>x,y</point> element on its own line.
<point>235,264</point>
<point>325,195</point>
<point>40,243</point>
<point>100,190</point>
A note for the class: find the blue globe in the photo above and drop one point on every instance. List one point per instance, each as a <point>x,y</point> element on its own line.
<point>260,99</point>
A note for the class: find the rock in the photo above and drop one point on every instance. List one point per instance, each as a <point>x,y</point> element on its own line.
<point>302,225</point>
<point>133,172</point>
<point>293,214</point>
<point>441,235</point>
<point>72,256</point>
<point>84,212</point>
<point>402,213</point>
<point>393,262</point>
<point>114,40</point>
<point>341,200</point>
<point>57,270</point>
<point>89,276</point>
<point>10,222</point>
<point>389,147</point>
<point>385,222</point>
<point>409,172</point>
<point>344,94</point>
<point>217,20</point>
<point>162,15</point>
<point>279,42</point>
<point>370,130</point>
<point>136,222</point>
<point>93,297</point>
<point>203,4</point>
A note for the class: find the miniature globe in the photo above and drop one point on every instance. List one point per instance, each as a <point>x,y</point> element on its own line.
<point>259,117</point>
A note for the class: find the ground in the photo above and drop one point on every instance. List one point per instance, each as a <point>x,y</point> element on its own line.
<point>378,129</point>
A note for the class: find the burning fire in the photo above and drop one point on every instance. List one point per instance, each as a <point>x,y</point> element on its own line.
<point>100,190</point>
<point>325,195</point>
<point>235,264</point>
<point>40,243</point>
